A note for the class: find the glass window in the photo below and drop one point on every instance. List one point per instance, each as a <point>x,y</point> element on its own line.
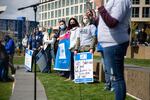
<point>76,9</point>
<point>45,7</point>
<point>135,12</point>
<point>67,11</point>
<point>59,3</point>
<point>42,7</point>
<point>49,23</point>
<point>45,15</point>
<point>56,4</point>
<point>81,8</point>
<point>49,15</point>
<point>52,5</point>
<point>67,2</point>
<point>85,8</point>
<point>55,22</point>
<point>63,12</point>
<point>56,13</point>
<point>49,6</point>
<point>72,2</point>
<point>63,3</point>
<point>52,24</point>
<point>147,1</point>
<point>76,1</point>
<point>81,1</point>
<point>146,12</point>
<point>59,13</point>
<point>52,14</point>
<point>72,10</point>
<point>135,1</point>
<point>85,0</point>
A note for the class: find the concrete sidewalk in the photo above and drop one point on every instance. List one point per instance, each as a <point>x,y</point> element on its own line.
<point>24,86</point>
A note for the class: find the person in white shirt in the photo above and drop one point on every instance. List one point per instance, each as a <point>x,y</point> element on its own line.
<point>73,28</point>
<point>86,38</point>
<point>25,42</point>
<point>113,34</point>
<point>48,42</point>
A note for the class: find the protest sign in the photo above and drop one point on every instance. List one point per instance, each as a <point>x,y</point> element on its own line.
<point>41,60</point>
<point>63,55</point>
<point>83,67</point>
<point>28,59</point>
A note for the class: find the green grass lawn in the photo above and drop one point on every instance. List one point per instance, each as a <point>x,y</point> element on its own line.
<point>5,90</point>
<point>6,87</point>
<point>58,89</point>
<point>138,62</point>
<point>19,60</point>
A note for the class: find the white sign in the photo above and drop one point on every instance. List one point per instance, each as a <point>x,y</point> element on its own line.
<point>83,67</point>
<point>28,59</point>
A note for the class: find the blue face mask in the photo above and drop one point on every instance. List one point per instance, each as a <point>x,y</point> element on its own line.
<point>62,27</point>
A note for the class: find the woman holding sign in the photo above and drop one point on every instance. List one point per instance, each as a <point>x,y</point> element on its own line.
<point>86,38</point>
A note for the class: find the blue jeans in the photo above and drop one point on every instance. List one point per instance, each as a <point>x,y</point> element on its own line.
<point>107,76</point>
<point>114,64</point>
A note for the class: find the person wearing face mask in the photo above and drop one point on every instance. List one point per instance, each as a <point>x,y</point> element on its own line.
<point>86,38</point>
<point>48,41</point>
<point>62,61</point>
<point>73,28</point>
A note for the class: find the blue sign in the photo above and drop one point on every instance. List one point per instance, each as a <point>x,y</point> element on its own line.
<point>63,56</point>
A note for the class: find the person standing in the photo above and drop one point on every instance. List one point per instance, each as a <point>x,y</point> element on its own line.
<point>73,28</point>
<point>10,50</point>
<point>113,34</point>
<point>25,42</point>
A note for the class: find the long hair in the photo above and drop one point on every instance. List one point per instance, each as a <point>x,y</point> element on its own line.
<point>82,23</point>
<point>69,25</point>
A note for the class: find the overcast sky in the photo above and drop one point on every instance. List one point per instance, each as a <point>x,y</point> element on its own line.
<point>12,6</point>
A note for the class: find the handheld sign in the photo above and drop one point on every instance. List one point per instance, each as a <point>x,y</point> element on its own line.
<point>83,67</point>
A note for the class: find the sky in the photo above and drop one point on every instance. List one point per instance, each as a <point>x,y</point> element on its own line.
<point>12,6</point>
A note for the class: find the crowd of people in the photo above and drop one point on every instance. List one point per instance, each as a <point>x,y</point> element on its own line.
<point>109,30</point>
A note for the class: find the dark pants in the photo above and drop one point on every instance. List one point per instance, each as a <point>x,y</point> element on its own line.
<point>35,52</point>
<point>11,64</point>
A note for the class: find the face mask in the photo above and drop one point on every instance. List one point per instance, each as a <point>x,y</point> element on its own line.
<point>85,21</point>
<point>49,31</point>
<point>62,27</point>
<point>73,25</point>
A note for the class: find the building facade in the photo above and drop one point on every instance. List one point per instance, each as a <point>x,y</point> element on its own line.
<point>50,13</point>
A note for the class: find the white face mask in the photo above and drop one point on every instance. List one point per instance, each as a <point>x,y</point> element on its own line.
<point>85,21</point>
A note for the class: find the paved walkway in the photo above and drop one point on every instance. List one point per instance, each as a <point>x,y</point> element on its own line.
<point>24,86</point>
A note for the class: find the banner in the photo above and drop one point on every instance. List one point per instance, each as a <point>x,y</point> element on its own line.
<point>41,60</point>
<point>83,67</point>
<point>63,55</point>
<point>28,59</point>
